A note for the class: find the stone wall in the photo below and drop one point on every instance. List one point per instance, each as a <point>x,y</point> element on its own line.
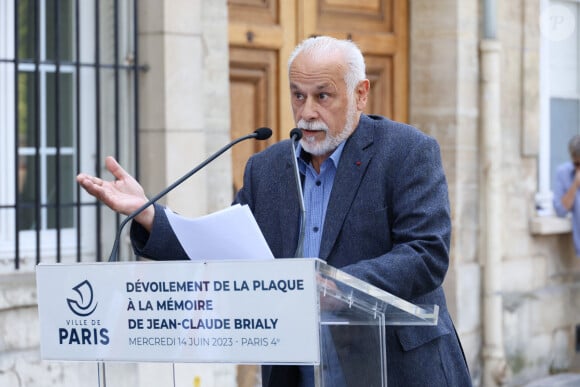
<point>538,273</point>
<point>444,70</point>
<point>185,101</point>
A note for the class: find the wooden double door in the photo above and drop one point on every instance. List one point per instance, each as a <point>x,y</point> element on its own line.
<point>262,35</point>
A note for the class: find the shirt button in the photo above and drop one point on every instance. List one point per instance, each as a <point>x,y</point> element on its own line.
<point>318,183</point>
<point>315,229</point>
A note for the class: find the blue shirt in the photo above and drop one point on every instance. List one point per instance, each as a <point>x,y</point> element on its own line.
<point>564,177</point>
<point>317,188</point>
<point>316,191</point>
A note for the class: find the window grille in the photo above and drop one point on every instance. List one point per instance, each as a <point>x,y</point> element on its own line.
<point>69,97</point>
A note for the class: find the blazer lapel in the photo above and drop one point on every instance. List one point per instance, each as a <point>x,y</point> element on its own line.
<point>289,220</point>
<point>353,163</point>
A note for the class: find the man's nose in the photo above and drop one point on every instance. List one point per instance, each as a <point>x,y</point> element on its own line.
<point>309,110</point>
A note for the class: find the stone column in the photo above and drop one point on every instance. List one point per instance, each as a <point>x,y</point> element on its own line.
<point>184,101</point>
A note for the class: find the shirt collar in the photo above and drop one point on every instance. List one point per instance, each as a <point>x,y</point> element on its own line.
<point>304,157</point>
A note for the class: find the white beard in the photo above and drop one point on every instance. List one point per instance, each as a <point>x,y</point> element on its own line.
<point>330,142</point>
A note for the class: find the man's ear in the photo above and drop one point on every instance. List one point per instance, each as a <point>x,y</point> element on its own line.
<point>362,94</point>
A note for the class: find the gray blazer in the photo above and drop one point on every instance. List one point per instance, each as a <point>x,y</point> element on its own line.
<point>387,223</point>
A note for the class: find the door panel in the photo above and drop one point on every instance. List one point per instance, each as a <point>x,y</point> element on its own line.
<point>380,75</point>
<point>253,11</point>
<point>344,16</point>
<point>261,37</point>
<point>253,82</point>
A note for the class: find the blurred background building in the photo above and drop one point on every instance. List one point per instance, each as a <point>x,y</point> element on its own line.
<point>161,84</point>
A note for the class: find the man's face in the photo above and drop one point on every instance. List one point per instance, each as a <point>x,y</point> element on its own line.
<point>576,162</point>
<point>322,106</point>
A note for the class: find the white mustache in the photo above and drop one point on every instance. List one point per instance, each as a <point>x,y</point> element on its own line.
<point>312,125</point>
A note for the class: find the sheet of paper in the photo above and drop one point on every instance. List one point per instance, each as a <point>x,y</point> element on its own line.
<point>231,233</point>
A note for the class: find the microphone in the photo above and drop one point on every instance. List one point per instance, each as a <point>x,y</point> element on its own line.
<point>258,134</point>
<point>296,135</point>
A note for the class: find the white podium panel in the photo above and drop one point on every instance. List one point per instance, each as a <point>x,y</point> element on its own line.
<point>225,311</point>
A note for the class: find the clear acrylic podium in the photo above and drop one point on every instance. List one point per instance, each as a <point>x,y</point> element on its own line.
<point>353,347</point>
<point>270,312</point>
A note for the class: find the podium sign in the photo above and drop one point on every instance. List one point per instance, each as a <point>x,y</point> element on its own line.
<point>214,312</point>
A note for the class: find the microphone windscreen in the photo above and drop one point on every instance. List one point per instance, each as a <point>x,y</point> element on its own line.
<point>263,133</point>
<point>296,133</point>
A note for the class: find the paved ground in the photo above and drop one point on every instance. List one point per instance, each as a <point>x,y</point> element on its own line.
<point>560,380</point>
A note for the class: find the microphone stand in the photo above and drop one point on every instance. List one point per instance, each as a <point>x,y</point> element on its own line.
<point>296,135</point>
<point>259,134</point>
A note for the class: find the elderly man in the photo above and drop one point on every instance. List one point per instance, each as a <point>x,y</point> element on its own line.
<point>376,207</point>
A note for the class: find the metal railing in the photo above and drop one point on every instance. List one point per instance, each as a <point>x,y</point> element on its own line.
<point>79,130</point>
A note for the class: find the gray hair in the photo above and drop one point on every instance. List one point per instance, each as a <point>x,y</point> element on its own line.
<point>321,46</point>
<point>574,146</point>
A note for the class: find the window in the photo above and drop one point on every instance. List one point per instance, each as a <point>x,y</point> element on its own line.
<point>45,125</point>
<point>560,90</point>
<point>68,99</point>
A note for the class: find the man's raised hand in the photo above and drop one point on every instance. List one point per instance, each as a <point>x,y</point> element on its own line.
<point>124,194</point>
